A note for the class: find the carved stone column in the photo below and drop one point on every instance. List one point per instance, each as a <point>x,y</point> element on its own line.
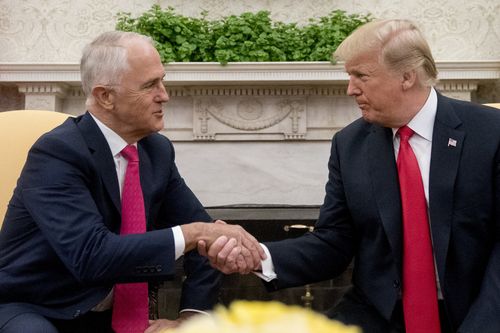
<point>44,96</point>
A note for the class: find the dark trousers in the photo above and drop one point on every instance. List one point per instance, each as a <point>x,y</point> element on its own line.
<point>354,310</point>
<point>91,322</point>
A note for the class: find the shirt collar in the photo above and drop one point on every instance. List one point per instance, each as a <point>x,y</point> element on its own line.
<point>115,142</point>
<point>423,122</point>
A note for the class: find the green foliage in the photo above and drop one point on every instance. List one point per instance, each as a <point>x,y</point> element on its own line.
<point>247,37</point>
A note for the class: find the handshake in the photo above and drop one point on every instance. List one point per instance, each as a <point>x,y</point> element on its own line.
<point>229,248</point>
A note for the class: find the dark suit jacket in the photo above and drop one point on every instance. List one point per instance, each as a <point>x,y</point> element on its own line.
<point>361,217</point>
<point>60,253</point>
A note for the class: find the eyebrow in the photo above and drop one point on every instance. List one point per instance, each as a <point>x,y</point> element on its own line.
<point>365,70</point>
<point>153,80</point>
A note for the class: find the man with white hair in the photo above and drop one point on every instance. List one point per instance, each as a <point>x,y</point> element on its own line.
<point>100,209</point>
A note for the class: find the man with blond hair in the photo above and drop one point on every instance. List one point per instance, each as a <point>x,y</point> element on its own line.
<point>413,196</point>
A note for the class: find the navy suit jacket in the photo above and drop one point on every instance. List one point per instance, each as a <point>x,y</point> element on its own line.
<point>361,217</point>
<point>60,252</point>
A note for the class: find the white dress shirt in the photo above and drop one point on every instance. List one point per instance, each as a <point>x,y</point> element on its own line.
<point>421,142</point>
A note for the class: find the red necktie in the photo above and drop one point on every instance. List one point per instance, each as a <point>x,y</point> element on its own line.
<point>130,305</point>
<point>420,305</point>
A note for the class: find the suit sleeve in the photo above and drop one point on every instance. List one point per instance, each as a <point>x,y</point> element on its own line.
<point>56,189</point>
<point>327,251</point>
<point>201,287</point>
<point>484,314</point>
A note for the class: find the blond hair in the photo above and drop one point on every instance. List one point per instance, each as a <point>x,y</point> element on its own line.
<point>401,46</point>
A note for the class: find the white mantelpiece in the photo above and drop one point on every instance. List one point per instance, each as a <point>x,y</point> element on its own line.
<point>249,73</point>
<point>240,101</point>
<point>245,133</point>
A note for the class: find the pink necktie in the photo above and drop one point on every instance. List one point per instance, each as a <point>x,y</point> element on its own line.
<point>130,305</point>
<point>420,305</point>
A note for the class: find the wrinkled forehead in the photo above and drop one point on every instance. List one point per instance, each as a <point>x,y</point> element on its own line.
<point>142,55</point>
<point>144,62</point>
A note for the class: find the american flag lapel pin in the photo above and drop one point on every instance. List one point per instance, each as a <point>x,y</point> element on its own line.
<point>452,142</point>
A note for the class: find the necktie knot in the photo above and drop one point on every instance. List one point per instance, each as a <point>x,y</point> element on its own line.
<point>405,133</point>
<point>130,153</point>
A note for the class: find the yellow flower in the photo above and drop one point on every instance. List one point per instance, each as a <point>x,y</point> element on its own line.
<point>263,317</point>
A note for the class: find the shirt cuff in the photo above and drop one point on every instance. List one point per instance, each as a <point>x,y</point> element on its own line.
<point>267,265</point>
<point>194,310</point>
<point>179,241</point>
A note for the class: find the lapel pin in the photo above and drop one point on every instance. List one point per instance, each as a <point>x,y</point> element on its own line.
<point>452,142</point>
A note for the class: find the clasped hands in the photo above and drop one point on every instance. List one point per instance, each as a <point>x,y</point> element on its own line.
<point>229,248</point>
<point>235,250</point>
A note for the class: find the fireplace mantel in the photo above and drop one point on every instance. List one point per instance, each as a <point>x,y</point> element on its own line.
<point>240,101</point>
<point>245,133</point>
<point>254,73</point>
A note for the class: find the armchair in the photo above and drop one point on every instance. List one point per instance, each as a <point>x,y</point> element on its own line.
<point>494,105</point>
<point>18,132</point>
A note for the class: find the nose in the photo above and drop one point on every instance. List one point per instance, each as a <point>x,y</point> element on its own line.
<point>352,88</point>
<point>162,96</point>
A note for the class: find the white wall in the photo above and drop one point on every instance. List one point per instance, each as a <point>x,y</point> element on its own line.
<point>56,30</point>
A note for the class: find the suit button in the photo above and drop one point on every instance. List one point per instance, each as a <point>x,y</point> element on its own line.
<point>396,284</point>
<point>158,268</point>
<point>77,313</point>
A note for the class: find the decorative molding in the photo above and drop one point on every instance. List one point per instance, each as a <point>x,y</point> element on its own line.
<point>75,92</point>
<point>468,70</point>
<point>218,90</point>
<point>271,118</point>
<point>43,96</point>
<point>459,89</point>
<point>40,72</point>
<point>328,91</point>
<point>37,88</point>
<point>458,85</point>
<point>186,74</point>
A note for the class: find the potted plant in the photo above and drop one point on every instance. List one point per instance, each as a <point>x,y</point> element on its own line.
<point>249,37</point>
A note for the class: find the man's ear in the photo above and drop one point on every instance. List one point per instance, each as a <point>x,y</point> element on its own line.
<point>104,97</point>
<point>409,79</point>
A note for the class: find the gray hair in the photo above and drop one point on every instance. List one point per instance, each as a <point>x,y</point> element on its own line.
<point>401,44</point>
<point>104,60</point>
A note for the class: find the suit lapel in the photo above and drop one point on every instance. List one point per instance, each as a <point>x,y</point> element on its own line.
<point>384,177</point>
<point>102,157</point>
<point>445,158</point>
<point>146,171</point>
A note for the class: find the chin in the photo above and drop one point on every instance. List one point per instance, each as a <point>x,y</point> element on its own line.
<point>159,127</point>
<point>366,117</point>
<point>371,118</point>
